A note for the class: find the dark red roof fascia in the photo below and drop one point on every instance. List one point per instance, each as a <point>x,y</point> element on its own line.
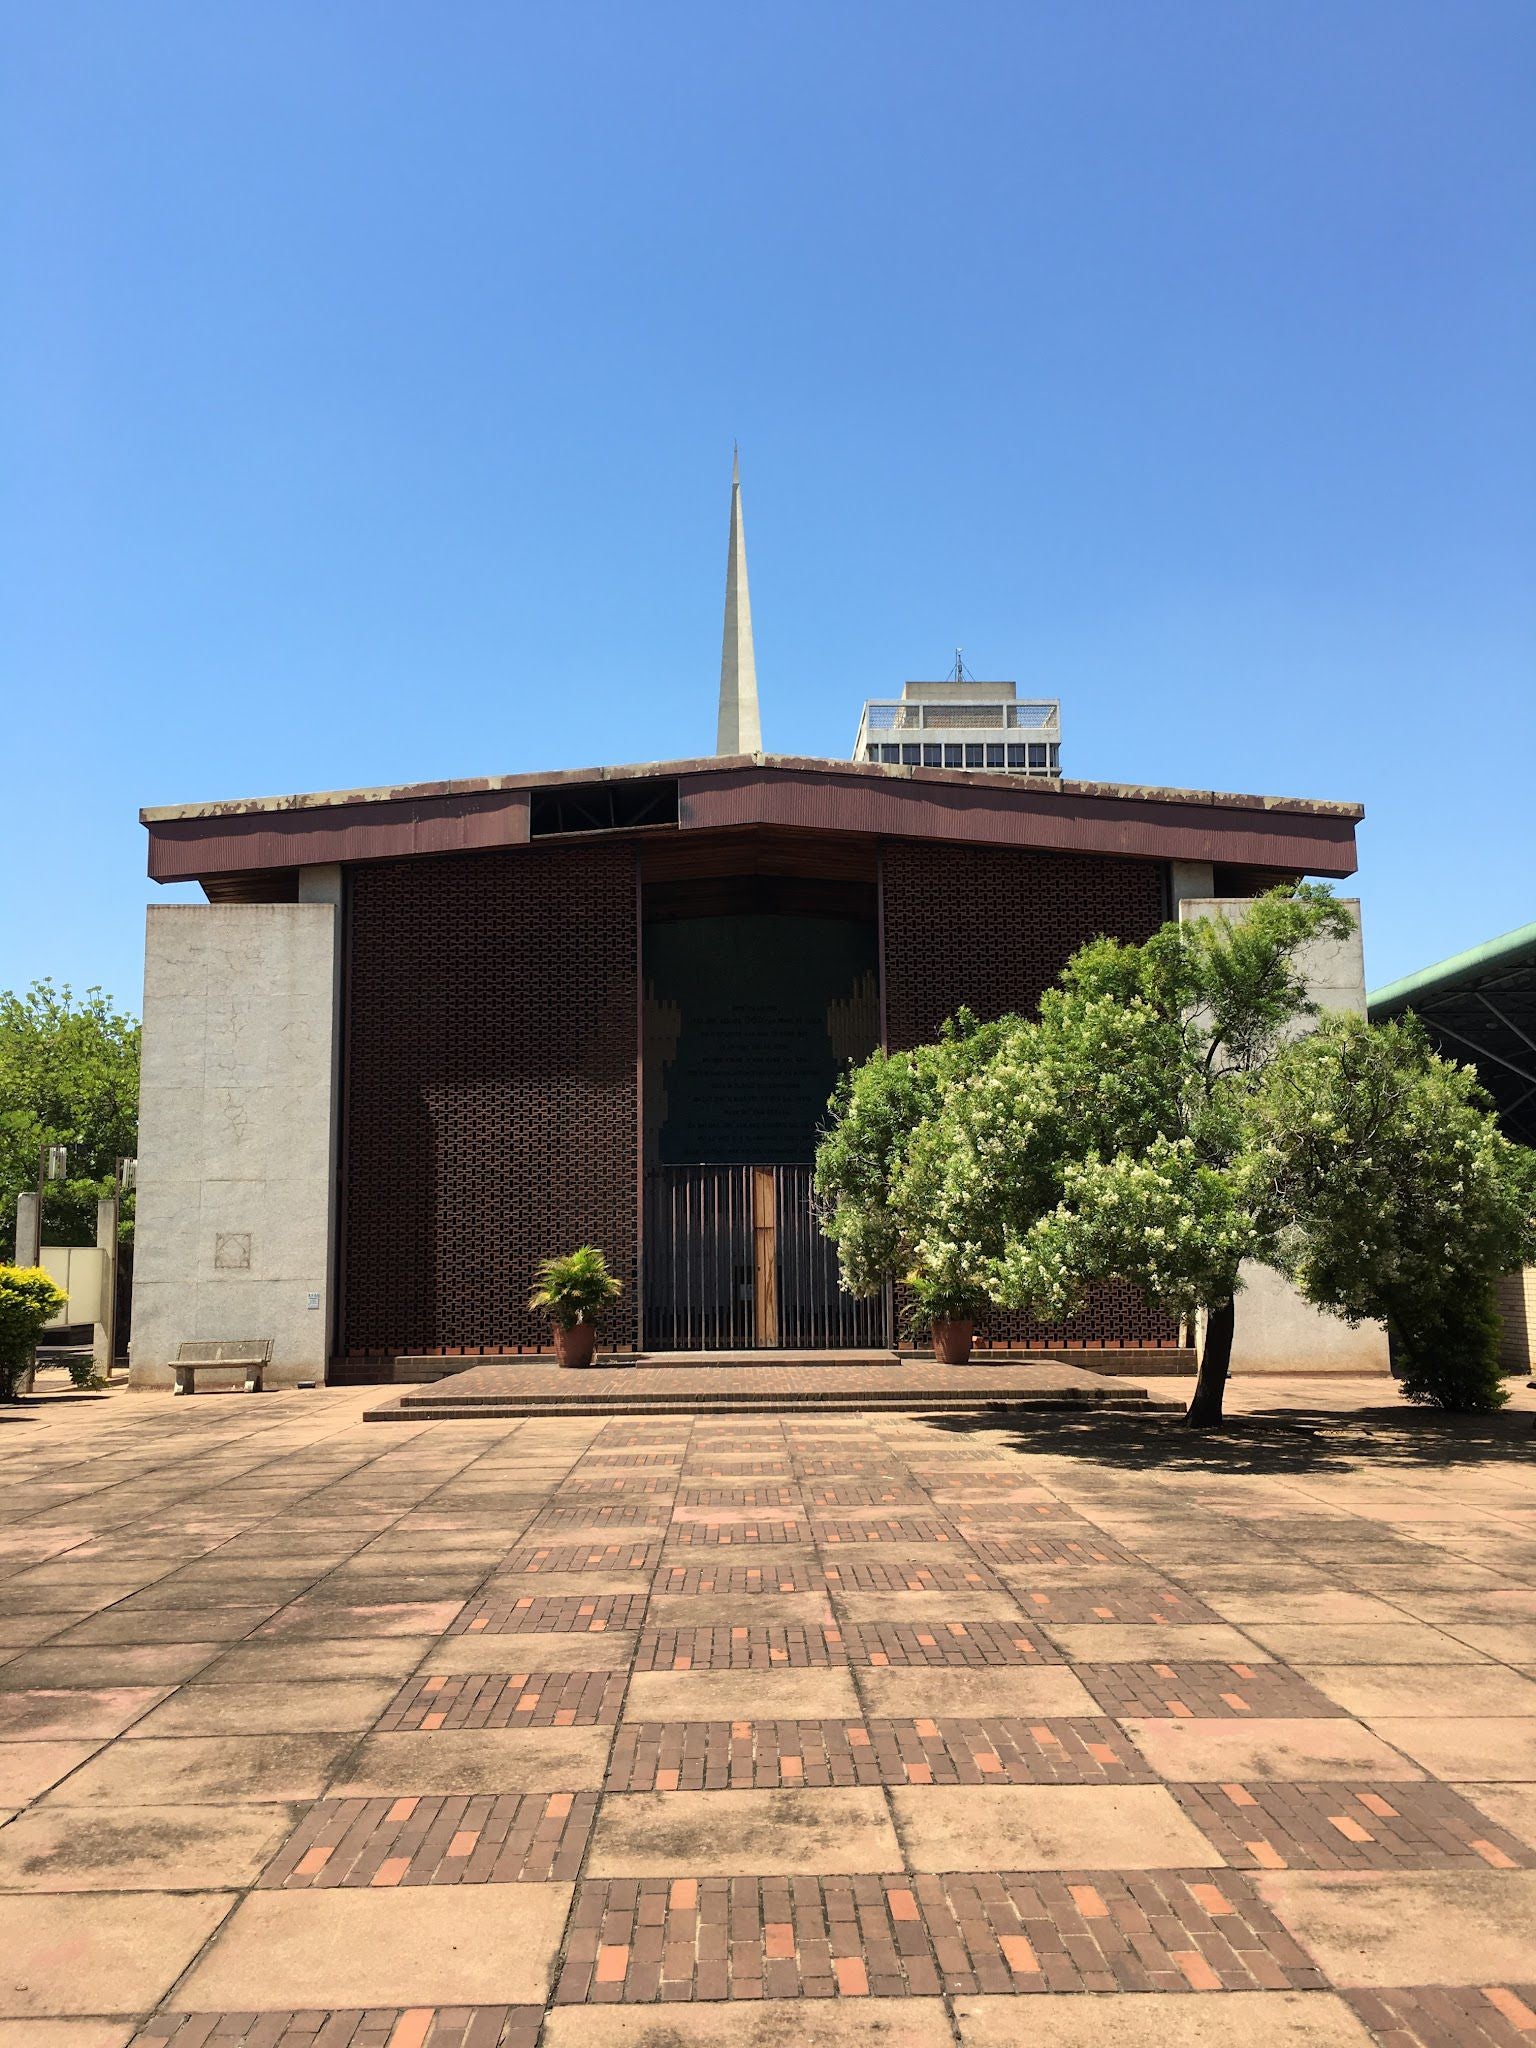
<point>186,849</point>
<point>1300,839</point>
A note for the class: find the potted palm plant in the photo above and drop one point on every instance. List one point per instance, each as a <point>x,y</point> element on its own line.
<point>572,1290</point>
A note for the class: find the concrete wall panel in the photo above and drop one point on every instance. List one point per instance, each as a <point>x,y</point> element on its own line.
<point>233,1237</point>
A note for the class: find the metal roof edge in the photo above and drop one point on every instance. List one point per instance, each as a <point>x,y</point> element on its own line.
<point>493,785</point>
<point>1460,967</point>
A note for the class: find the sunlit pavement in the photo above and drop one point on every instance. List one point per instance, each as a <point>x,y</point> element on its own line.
<point>766,1730</point>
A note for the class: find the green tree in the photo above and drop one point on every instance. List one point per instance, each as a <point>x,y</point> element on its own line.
<point>868,1192</point>
<point>1392,1194</point>
<point>1162,1121</point>
<point>1156,1053</point>
<point>69,1075</point>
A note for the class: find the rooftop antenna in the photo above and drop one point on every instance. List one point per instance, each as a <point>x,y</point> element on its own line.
<point>961,673</point>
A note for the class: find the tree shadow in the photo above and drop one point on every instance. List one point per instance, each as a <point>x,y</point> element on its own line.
<point>1281,1441</point>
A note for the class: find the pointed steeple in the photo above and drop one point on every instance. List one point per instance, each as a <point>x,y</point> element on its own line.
<point>739,731</point>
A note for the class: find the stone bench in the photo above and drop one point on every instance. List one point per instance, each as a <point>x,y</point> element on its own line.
<point>252,1355</point>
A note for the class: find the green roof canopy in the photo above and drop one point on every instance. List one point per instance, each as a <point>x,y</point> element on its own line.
<point>1480,1006</point>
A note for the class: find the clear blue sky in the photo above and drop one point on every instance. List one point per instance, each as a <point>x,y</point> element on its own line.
<point>370,374</point>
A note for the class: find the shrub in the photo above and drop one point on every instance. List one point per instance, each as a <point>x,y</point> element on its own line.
<point>29,1298</point>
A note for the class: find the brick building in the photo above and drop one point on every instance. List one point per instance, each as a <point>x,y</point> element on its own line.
<point>418,1038</point>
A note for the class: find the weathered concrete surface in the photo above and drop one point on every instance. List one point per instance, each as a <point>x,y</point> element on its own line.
<point>236,1132</point>
<point>422,1755</point>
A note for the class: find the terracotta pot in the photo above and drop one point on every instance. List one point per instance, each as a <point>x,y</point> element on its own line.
<point>575,1346</point>
<point>952,1341</point>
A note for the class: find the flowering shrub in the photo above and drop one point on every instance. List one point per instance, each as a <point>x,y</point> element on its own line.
<point>1392,1194</point>
<point>29,1298</point>
<point>1161,1122</point>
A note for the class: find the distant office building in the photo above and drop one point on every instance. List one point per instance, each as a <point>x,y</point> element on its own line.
<point>962,723</point>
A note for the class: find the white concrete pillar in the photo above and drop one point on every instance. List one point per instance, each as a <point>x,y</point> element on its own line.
<point>236,1130</point>
<point>29,1234</point>
<point>104,1335</point>
<point>1189,879</point>
<point>1276,1330</point>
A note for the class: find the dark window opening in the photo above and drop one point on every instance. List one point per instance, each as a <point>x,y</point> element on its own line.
<point>601,807</point>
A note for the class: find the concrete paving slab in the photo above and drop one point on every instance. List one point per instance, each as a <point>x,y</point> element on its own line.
<point>1130,1642</point>
<point>28,1769</point>
<point>205,1770</point>
<point>105,1665</point>
<point>1490,1747</point>
<point>1213,1752</point>
<point>55,1715</point>
<point>713,1610</point>
<point>475,1760</point>
<point>901,1606</point>
<point>122,1954</point>
<point>532,1650</point>
<point>20,1631</point>
<point>729,1834</point>
<point>144,1848</point>
<point>295,1706</point>
<point>1173,2019</point>
<point>1329,1605</point>
<point>1512,1806</point>
<point>905,1692</point>
<point>1419,1927</point>
<point>218,1624</point>
<point>785,2023</point>
<point>81,2033</point>
<point>310,1620</point>
<point>1046,1827</point>
<point>1513,1641</point>
<point>1372,1690</point>
<point>460,1945</point>
<point>263,1662</point>
<point>1362,1643</point>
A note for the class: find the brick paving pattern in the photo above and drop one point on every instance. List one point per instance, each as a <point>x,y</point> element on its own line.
<point>1432,2015</point>
<point>1333,1826</point>
<point>488,2026</point>
<point>582,1557</point>
<point>705,1756</point>
<point>788,1575</point>
<point>523,1699</point>
<point>740,1646</point>
<point>1207,1691</point>
<point>530,1838</point>
<point>516,1614</point>
<point>977,1644</point>
<point>937,1583</point>
<point>879,1575</point>
<point>639,1940</point>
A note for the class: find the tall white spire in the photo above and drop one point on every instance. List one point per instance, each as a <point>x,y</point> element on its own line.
<point>739,731</point>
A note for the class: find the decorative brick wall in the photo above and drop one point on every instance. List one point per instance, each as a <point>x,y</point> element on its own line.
<point>491,1092</point>
<point>991,928</point>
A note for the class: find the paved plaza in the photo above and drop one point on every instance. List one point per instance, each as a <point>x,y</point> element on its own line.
<point>775,1731</point>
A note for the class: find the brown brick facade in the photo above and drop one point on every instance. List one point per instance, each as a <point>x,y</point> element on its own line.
<point>490,1092</point>
<point>990,928</point>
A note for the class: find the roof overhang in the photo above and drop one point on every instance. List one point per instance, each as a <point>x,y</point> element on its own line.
<point>1480,1006</point>
<point>197,841</point>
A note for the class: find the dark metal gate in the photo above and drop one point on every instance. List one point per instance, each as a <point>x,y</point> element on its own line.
<point>735,1260</point>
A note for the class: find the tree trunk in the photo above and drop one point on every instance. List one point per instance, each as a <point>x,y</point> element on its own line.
<point>1204,1411</point>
